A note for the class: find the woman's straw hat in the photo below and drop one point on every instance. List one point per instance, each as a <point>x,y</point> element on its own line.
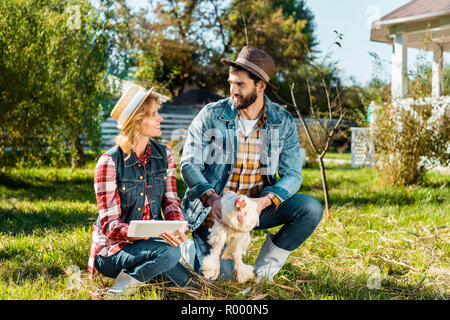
<point>129,103</point>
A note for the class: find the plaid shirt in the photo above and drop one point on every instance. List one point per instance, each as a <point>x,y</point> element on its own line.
<point>246,177</point>
<point>112,237</point>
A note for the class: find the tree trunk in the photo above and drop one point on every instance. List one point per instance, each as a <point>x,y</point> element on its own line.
<point>325,187</point>
<point>77,153</point>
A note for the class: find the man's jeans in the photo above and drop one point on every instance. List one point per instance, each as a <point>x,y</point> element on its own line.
<point>299,215</point>
<point>144,260</point>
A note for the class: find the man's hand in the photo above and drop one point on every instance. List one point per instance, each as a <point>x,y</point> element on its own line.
<point>262,203</point>
<point>216,211</point>
<point>212,199</point>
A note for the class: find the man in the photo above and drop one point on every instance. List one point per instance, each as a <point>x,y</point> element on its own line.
<point>239,144</point>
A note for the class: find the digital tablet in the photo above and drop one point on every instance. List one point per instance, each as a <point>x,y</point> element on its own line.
<point>154,228</point>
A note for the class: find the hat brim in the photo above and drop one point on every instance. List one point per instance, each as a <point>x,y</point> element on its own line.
<point>137,108</point>
<point>256,73</point>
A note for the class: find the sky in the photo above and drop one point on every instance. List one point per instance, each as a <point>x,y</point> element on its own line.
<point>353,19</point>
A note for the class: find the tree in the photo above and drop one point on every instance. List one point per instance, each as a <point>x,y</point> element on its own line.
<point>54,55</point>
<point>181,43</point>
<point>326,129</point>
<point>83,52</point>
<point>265,25</point>
<point>23,73</point>
<point>166,50</point>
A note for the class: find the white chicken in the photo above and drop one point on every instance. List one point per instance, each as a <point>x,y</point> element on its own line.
<point>240,215</point>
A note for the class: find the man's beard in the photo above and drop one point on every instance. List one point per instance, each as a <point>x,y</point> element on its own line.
<point>245,101</point>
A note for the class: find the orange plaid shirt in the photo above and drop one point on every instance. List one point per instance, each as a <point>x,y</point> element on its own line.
<point>246,177</point>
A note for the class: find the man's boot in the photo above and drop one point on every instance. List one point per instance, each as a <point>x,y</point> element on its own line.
<point>270,260</point>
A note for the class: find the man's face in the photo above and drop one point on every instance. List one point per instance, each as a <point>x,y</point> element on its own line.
<point>243,90</point>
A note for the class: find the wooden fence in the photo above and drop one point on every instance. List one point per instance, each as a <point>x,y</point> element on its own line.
<point>173,127</point>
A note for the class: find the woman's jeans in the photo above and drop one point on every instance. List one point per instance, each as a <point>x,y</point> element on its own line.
<point>144,260</point>
<point>299,215</point>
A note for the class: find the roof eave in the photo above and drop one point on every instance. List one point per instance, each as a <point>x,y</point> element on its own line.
<point>380,35</point>
<point>382,23</point>
<point>380,28</point>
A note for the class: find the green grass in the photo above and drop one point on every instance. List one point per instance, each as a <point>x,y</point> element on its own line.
<point>338,156</point>
<point>46,218</point>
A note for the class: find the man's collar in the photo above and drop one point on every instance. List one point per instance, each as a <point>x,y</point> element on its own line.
<point>230,113</point>
<point>273,118</point>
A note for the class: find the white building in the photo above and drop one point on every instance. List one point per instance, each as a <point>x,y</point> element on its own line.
<point>413,25</point>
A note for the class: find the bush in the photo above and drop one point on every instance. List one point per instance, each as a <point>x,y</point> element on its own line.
<point>407,137</point>
<point>341,139</point>
<point>319,138</point>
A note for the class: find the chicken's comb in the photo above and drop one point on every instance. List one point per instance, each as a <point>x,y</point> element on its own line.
<point>240,203</point>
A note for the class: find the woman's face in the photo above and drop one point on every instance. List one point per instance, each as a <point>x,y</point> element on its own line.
<point>151,122</point>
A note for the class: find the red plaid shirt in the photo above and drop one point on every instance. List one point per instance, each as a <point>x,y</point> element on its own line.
<point>112,236</point>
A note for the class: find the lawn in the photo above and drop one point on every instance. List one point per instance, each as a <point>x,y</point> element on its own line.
<point>378,242</point>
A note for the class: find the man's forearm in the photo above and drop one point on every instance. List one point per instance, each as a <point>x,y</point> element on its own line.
<point>194,179</point>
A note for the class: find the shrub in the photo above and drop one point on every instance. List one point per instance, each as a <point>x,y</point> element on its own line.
<point>341,139</point>
<point>408,137</point>
<point>319,137</point>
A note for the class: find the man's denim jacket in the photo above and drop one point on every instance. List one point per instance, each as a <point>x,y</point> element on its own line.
<point>210,152</point>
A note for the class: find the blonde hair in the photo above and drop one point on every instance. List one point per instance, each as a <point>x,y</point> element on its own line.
<point>128,135</point>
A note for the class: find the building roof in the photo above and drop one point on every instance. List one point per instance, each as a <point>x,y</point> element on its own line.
<point>189,102</point>
<point>419,8</point>
<point>194,97</point>
<point>415,16</point>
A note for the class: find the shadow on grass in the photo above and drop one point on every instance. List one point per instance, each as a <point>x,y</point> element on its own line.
<point>378,199</point>
<point>28,262</point>
<point>369,198</point>
<point>15,221</point>
<point>436,184</point>
<point>330,284</point>
<point>73,189</point>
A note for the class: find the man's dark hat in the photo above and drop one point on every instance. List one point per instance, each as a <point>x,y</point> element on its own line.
<point>256,61</point>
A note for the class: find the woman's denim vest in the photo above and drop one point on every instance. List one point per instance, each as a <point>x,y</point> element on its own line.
<point>132,176</point>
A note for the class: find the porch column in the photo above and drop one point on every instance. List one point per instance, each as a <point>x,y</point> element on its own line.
<point>399,86</point>
<point>438,71</point>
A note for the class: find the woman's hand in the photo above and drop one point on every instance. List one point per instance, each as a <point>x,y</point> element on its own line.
<point>175,239</point>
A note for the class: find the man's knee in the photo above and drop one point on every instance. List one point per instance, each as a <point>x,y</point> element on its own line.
<point>308,206</point>
<point>170,255</point>
<point>316,210</point>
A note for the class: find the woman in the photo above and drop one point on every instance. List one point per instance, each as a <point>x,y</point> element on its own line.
<point>136,180</point>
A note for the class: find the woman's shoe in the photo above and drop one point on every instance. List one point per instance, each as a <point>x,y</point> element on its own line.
<point>124,285</point>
